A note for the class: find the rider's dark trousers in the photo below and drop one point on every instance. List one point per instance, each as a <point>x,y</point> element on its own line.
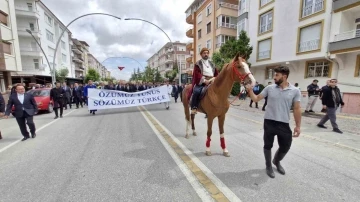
<point>195,100</point>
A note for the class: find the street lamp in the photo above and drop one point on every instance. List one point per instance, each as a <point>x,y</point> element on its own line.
<point>53,79</point>
<point>62,33</point>
<point>179,68</point>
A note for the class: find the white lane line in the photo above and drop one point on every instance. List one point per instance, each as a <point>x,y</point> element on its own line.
<point>199,189</point>
<point>220,185</point>
<point>42,127</point>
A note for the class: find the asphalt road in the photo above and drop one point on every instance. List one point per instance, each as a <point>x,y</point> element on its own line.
<point>118,155</point>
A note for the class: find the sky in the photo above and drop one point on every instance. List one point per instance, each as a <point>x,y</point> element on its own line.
<point>111,37</point>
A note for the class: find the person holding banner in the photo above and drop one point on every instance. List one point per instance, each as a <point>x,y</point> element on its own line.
<point>86,95</point>
<point>169,89</point>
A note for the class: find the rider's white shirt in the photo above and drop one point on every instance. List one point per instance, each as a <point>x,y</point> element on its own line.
<point>207,70</point>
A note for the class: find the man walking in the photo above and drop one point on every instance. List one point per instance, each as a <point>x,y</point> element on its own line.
<point>281,96</point>
<point>86,95</point>
<point>175,91</point>
<point>169,90</point>
<point>25,108</point>
<point>67,96</point>
<point>313,93</point>
<point>77,93</point>
<point>331,99</point>
<point>57,95</point>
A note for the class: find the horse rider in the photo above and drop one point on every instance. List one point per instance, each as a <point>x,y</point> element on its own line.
<point>204,73</point>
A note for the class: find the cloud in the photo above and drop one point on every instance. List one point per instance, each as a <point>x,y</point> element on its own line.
<point>110,37</point>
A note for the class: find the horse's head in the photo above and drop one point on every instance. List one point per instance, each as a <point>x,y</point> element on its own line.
<point>241,70</point>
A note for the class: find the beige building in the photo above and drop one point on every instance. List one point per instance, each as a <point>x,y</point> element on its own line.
<point>213,22</point>
<point>10,58</point>
<point>166,58</point>
<point>95,64</point>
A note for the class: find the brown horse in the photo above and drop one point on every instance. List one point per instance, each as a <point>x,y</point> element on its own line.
<point>215,102</point>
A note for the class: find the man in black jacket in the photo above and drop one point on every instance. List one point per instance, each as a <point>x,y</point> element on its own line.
<point>25,108</point>
<point>2,109</point>
<point>78,95</point>
<point>331,99</point>
<point>313,94</point>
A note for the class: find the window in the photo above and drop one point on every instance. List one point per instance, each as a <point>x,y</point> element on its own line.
<point>32,26</point>
<point>63,45</point>
<point>318,69</point>
<point>51,52</point>
<point>208,10</point>
<point>208,28</point>
<point>208,44</point>
<point>265,2</point>
<point>266,20</point>
<point>242,8</point>
<point>49,36</point>
<point>241,26</point>
<point>63,57</point>
<point>7,47</point>
<point>199,18</point>
<point>36,63</point>
<point>48,20</point>
<point>226,21</point>
<point>264,49</point>
<point>310,38</point>
<point>310,7</point>
<point>357,68</point>
<point>199,33</point>
<point>30,7</point>
<point>3,18</point>
<point>221,39</point>
<point>199,48</point>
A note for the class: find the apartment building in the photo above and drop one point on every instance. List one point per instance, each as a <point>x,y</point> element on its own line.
<point>78,58</point>
<point>167,57</point>
<point>95,64</point>
<point>317,39</point>
<point>10,59</point>
<point>213,22</point>
<point>34,19</point>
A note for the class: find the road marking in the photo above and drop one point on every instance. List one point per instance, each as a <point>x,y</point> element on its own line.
<point>42,127</point>
<point>308,136</point>
<point>217,189</point>
<point>339,116</point>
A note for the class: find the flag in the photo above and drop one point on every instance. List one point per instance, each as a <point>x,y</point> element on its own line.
<point>121,68</point>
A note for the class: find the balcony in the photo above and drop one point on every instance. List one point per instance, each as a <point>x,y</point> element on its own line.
<point>23,11</point>
<point>227,25</point>
<point>22,32</point>
<point>77,59</point>
<point>345,41</point>
<point>190,32</point>
<point>76,49</point>
<point>189,59</point>
<point>340,5</point>
<point>168,61</point>
<point>190,19</point>
<point>30,51</point>
<point>227,9</point>
<point>228,5</point>
<point>79,68</point>
<point>189,46</point>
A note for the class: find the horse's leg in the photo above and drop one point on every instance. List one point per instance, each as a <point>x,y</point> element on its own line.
<point>209,132</point>
<point>193,124</point>
<point>222,137</point>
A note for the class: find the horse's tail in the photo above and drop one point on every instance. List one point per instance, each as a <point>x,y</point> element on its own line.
<point>185,102</point>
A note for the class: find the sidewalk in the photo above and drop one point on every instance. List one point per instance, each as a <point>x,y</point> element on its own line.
<point>347,123</point>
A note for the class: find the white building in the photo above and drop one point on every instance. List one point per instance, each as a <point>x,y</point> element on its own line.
<point>311,38</point>
<point>10,60</point>
<point>46,28</point>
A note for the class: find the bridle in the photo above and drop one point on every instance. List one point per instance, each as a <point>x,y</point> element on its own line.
<point>237,73</point>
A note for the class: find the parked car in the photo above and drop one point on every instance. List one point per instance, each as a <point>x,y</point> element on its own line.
<point>42,98</point>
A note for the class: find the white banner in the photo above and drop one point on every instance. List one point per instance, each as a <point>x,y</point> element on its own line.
<point>108,99</point>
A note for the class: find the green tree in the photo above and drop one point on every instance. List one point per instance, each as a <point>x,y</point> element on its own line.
<point>61,74</point>
<point>92,75</point>
<point>229,50</point>
<point>158,77</point>
<point>148,75</point>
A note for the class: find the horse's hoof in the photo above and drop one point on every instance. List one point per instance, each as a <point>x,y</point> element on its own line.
<point>187,136</point>
<point>208,153</point>
<point>226,154</point>
<point>194,134</point>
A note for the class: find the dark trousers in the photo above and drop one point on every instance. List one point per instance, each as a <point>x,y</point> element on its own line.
<point>78,101</point>
<point>86,101</point>
<point>330,114</point>
<point>195,100</point>
<point>283,132</point>
<point>67,100</point>
<point>22,121</point>
<point>61,107</point>
<point>256,104</point>
<point>265,103</point>
<point>176,97</point>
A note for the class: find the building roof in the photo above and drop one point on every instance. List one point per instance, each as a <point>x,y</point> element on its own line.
<point>84,42</point>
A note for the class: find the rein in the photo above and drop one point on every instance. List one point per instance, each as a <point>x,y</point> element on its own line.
<point>241,77</point>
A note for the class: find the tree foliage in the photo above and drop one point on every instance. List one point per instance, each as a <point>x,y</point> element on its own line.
<point>171,75</point>
<point>92,75</point>
<point>61,74</point>
<point>229,50</point>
